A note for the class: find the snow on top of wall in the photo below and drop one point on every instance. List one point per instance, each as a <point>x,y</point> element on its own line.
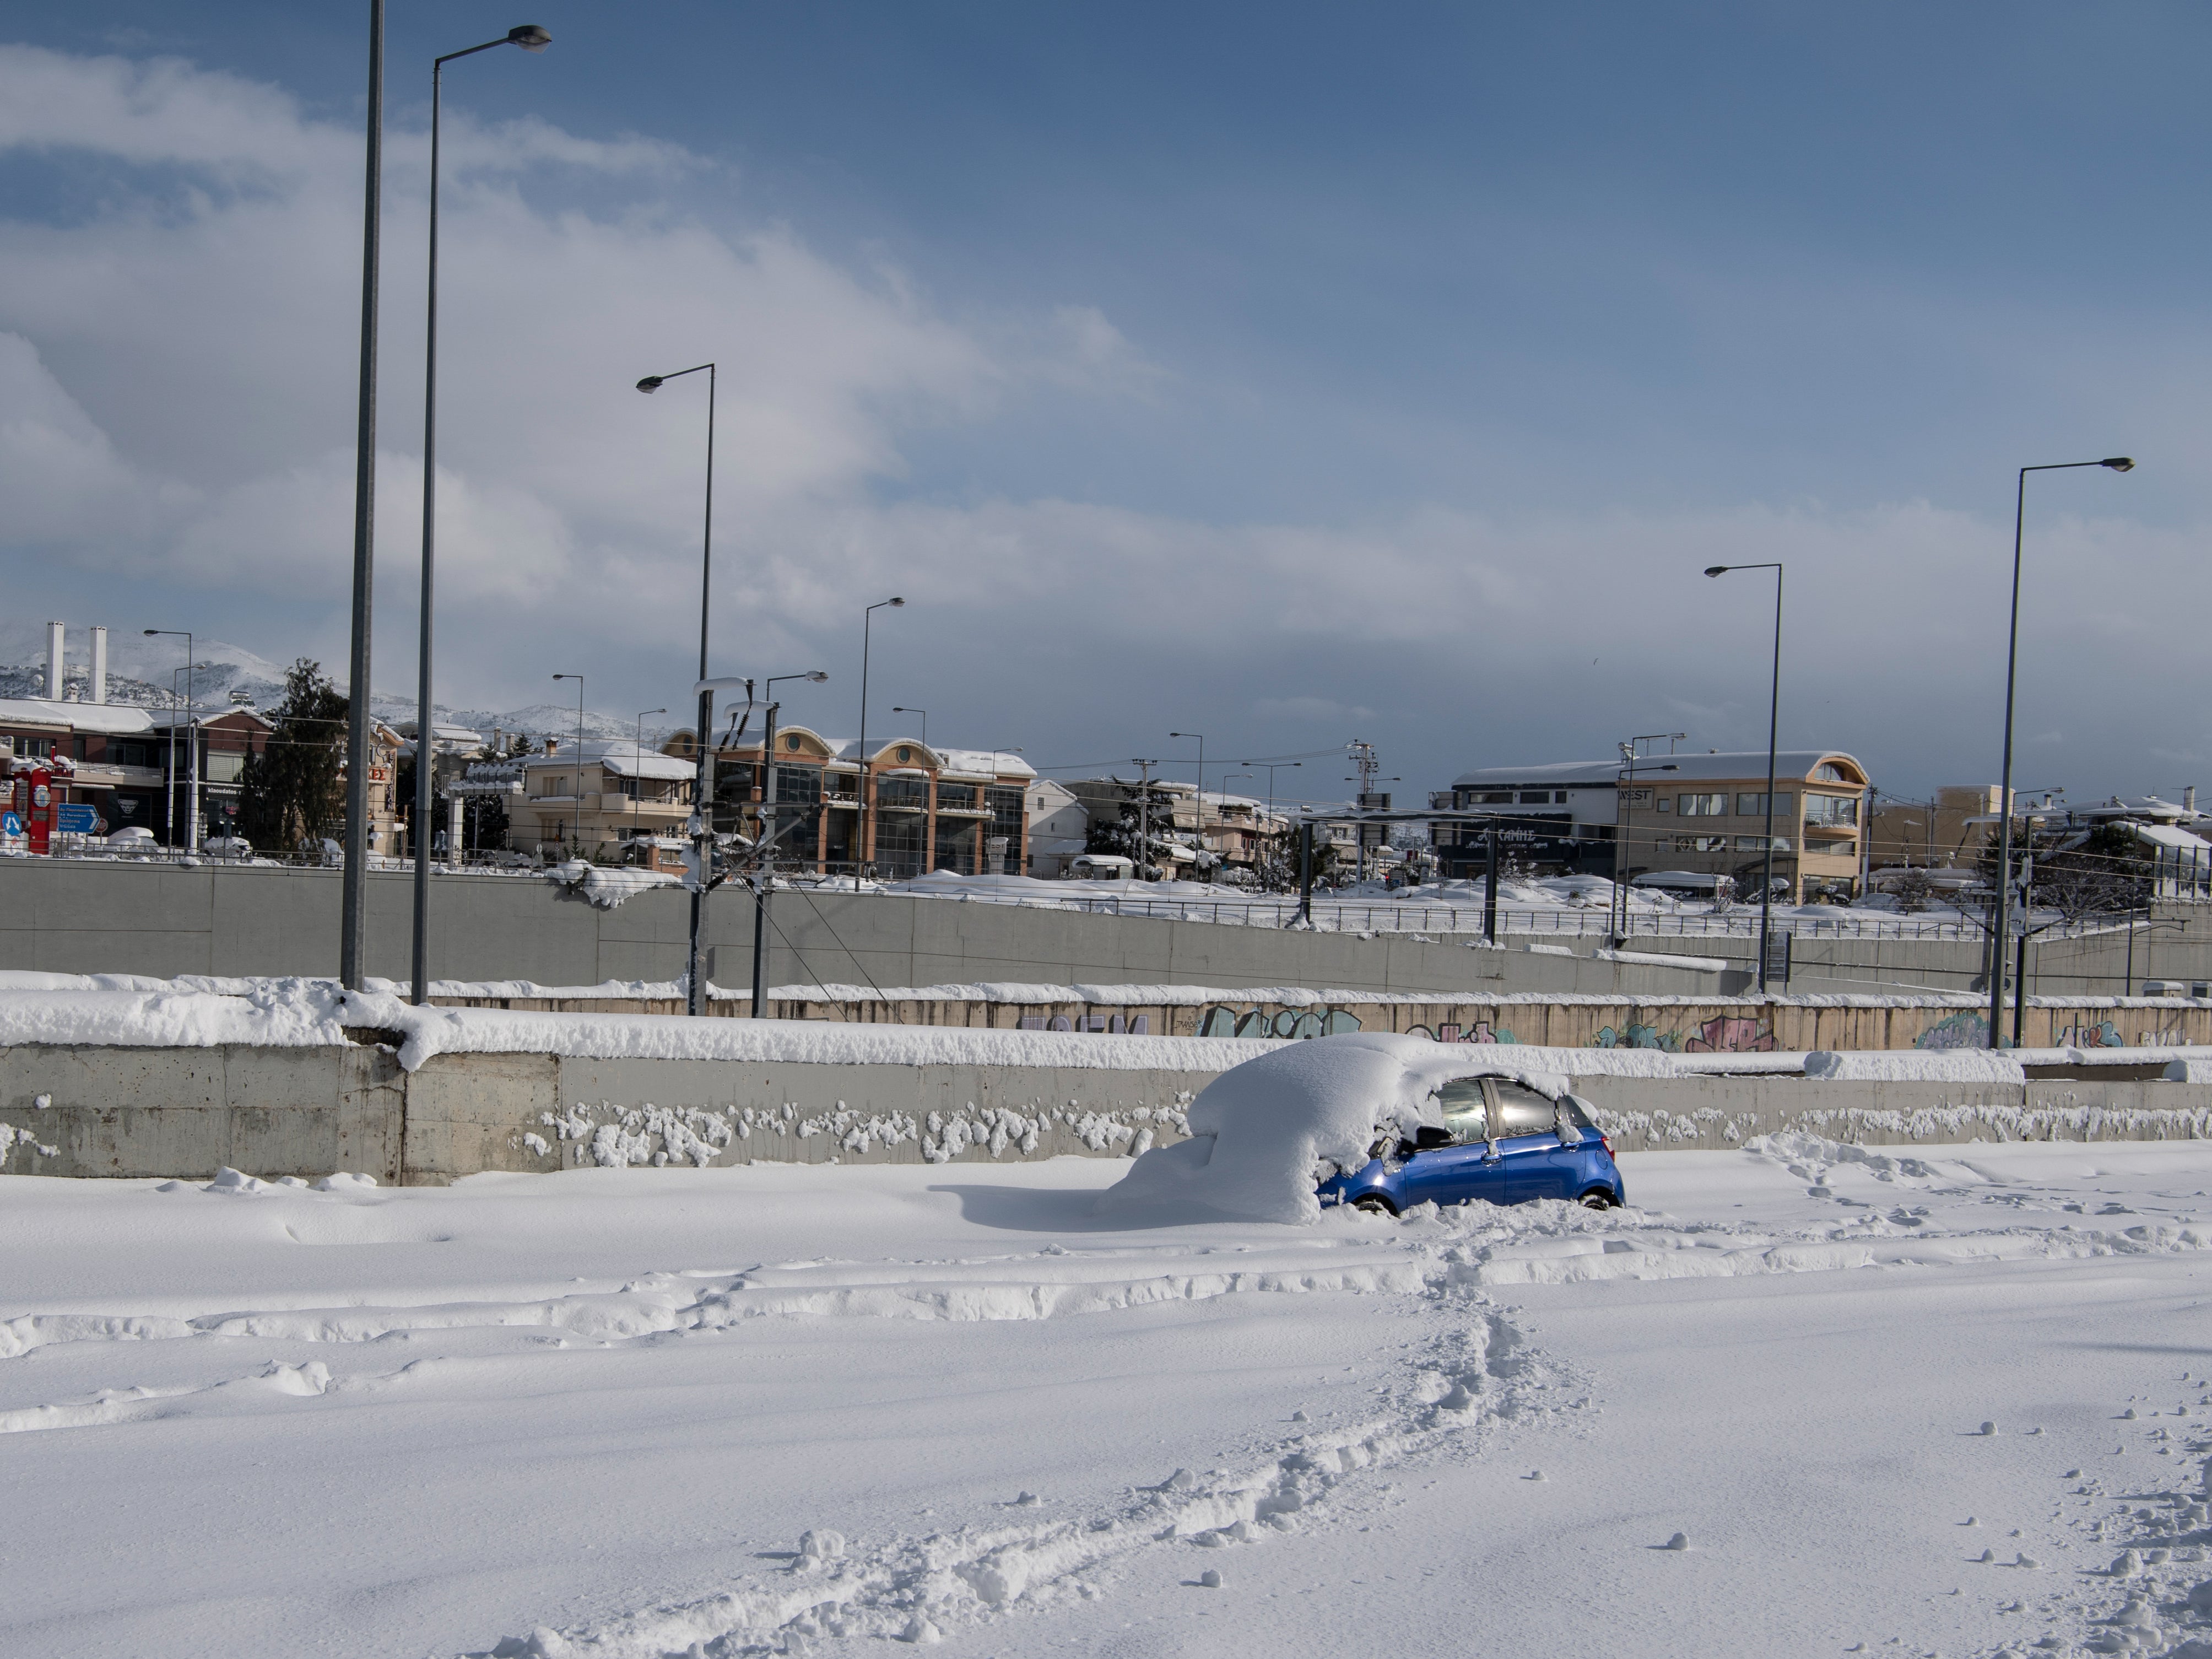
<point>1915,1066</point>
<point>1661,959</point>
<point>604,887</point>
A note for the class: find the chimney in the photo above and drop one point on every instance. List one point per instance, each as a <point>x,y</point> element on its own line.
<point>55,634</point>
<point>2188,798</point>
<point>98,690</point>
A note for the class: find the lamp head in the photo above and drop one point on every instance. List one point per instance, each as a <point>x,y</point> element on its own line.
<point>897,603</point>
<point>530,36</point>
<point>1717,570</point>
<point>817,677</point>
<point>2119,464</point>
<point>650,383</point>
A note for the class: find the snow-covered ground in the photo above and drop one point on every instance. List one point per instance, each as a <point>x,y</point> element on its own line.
<point>1947,1405</point>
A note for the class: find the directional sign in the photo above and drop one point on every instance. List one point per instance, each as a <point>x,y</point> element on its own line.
<point>11,825</point>
<point>77,818</point>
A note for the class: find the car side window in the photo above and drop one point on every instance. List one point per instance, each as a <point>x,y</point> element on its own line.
<point>1521,1109</point>
<point>1464,1113</point>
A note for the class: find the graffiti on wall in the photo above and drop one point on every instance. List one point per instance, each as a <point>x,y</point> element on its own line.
<point>1136,1025</point>
<point>1732,1034</point>
<point>1959,1030</point>
<point>1633,1035</point>
<point>2102,1034</point>
<point>1481,1031</point>
<point>1219,1021</point>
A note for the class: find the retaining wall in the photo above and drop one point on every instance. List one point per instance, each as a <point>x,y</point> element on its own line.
<point>187,1113</point>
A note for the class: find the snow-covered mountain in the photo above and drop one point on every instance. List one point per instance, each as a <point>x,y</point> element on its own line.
<point>148,672</point>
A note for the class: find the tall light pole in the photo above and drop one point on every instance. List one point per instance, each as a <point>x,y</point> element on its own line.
<point>2118,464</point>
<point>531,38</point>
<point>353,907</point>
<point>702,790</point>
<point>924,712</point>
<point>577,833</point>
<point>638,745</point>
<point>861,859</point>
<point>1773,709</point>
<point>192,739</point>
<point>1624,820</point>
<point>765,848</point>
<point>1200,737</point>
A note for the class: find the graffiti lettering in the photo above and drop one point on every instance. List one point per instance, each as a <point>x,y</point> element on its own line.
<point>1732,1034</point>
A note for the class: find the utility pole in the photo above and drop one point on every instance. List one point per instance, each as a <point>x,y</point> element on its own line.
<point>1490,892</point>
<point>1144,812</point>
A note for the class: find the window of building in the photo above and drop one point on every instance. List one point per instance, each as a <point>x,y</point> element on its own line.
<point>1006,806</point>
<point>898,844</point>
<point>791,742</point>
<point>902,793</point>
<point>1666,802</point>
<point>1535,798</point>
<point>1754,806</point>
<point>1757,843</point>
<point>905,754</point>
<point>225,766</point>
<point>1701,806</point>
<point>34,748</point>
<point>1495,797</point>
<point>957,796</point>
<point>1701,843</point>
<point>131,754</point>
<point>1558,798</point>
<point>799,812</point>
<point>1832,809</point>
<point>957,845</point>
<point>1829,772</point>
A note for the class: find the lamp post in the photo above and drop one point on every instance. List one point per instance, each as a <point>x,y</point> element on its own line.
<point>637,745</point>
<point>765,848</point>
<point>1200,737</point>
<point>192,738</point>
<point>1773,709</point>
<point>353,906</point>
<point>861,859</point>
<point>1625,819</point>
<point>702,790</point>
<point>2118,464</point>
<point>577,818</point>
<point>1270,768</point>
<point>531,38</point>
<point>924,712</point>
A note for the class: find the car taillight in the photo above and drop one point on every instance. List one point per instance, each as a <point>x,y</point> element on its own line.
<point>1606,1141</point>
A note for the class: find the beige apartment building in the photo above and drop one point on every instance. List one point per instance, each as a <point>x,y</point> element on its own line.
<point>1950,829</point>
<point>1698,816</point>
<point>597,803</point>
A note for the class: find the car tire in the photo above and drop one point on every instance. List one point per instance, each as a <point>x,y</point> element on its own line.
<point>1597,1199</point>
<point>1375,1204</point>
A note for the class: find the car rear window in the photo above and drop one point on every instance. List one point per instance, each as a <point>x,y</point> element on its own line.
<point>1575,1116</point>
<point>1521,1110</point>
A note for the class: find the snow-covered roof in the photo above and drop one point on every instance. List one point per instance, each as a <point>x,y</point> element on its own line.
<point>2165,835</point>
<point>627,760</point>
<point>1795,765</point>
<point>985,762</point>
<point>110,717</point>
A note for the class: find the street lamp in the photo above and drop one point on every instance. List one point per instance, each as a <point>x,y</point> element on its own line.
<point>924,712</point>
<point>2118,464</point>
<point>577,833</point>
<point>531,38</point>
<point>353,904</point>
<point>192,702</point>
<point>638,745</point>
<point>1624,820</point>
<point>1271,768</point>
<point>860,859</point>
<point>1774,708</point>
<point>1200,737</point>
<point>765,848</point>
<point>702,791</point>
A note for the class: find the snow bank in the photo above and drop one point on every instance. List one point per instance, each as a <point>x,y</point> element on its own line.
<point>604,887</point>
<point>1265,1134</point>
<point>1914,1065</point>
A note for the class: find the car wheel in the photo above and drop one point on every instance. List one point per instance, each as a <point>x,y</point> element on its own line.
<point>1374,1204</point>
<point>1597,1199</point>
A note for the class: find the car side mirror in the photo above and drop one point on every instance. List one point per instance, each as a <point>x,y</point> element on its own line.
<point>1428,1137</point>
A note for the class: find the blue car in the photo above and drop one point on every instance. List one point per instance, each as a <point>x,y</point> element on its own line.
<point>1500,1141</point>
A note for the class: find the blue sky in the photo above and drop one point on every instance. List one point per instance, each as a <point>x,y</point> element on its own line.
<point>1298,373</point>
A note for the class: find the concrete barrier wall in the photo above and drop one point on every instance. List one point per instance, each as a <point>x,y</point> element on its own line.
<point>271,1112</point>
<point>1675,1024</point>
<point>64,916</point>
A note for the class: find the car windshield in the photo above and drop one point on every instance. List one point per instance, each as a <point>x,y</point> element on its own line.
<point>1460,1104</point>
